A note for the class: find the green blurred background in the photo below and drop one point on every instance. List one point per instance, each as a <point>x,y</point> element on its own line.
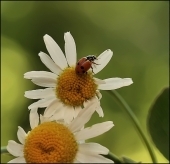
<point>136,32</point>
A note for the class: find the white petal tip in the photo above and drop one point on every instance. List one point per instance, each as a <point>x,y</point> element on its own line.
<point>68,32</point>
<point>46,35</point>
<point>25,95</point>
<point>110,51</point>
<point>129,81</point>
<point>40,53</point>
<point>25,75</point>
<point>29,107</point>
<point>110,124</point>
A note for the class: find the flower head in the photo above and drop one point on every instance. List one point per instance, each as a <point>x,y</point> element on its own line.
<point>55,141</point>
<point>64,87</point>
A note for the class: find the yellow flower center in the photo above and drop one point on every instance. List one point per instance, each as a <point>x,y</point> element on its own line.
<point>50,142</point>
<point>73,89</point>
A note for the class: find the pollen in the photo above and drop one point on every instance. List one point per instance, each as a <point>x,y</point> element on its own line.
<point>73,89</point>
<point>50,142</point>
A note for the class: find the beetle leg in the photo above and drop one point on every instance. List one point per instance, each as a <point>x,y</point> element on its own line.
<point>92,69</point>
<point>95,63</point>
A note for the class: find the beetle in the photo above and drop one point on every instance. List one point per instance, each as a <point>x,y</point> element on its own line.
<point>85,63</point>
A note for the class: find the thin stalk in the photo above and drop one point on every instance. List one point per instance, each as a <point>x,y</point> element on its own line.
<point>113,157</point>
<point>135,121</point>
<point>3,150</point>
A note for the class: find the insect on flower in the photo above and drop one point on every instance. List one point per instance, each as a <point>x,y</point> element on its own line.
<point>85,63</point>
<point>65,91</point>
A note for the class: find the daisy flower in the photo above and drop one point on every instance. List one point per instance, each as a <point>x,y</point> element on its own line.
<point>54,141</point>
<point>63,86</point>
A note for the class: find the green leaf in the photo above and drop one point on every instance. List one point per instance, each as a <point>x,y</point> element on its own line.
<point>158,122</point>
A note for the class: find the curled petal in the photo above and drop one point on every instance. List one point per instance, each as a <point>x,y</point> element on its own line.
<point>99,95</point>
<point>99,110</point>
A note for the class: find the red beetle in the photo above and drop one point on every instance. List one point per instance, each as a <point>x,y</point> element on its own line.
<point>85,63</point>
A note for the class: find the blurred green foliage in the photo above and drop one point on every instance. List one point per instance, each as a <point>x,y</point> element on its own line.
<point>158,122</point>
<point>137,32</point>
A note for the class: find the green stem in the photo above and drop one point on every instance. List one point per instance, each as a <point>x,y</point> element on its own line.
<point>134,119</point>
<point>3,150</point>
<point>113,157</point>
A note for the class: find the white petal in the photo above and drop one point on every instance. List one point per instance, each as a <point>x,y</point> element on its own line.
<point>83,117</point>
<point>40,74</point>
<point>99,95</point>
<point>94,130</point>
<point>53,107</point>
<point>92,100</point>
<point>90,158</point>
<point>18,160</point>
<point>68,114</point>
<point>98,81</point>
<point>115,83</point>
<point>55,52</point>
<point>77,110</point>
<point>76,161</point>
<point>14,148</point>
<point>81,141</point>
<point>44,82</point>
<point>45,119</point>
<point>34,118</point>
<point>99,110</point>
<point>42,103</point>
<point>58,115</point>
<point>21,135</point>
<point>40,93</point>
<point>102,60</point>
<point>49,63</point>
<point>70,49</point>
<point>93,148</point>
